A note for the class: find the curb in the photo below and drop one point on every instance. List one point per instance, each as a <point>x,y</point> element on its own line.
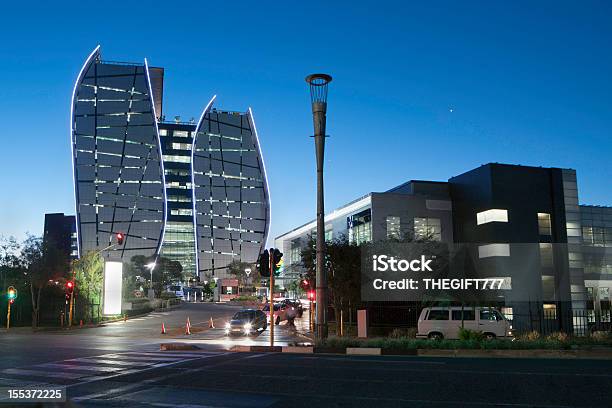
<point>458,353</point>
<point>177,347</point>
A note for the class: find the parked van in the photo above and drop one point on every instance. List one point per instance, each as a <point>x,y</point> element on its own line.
<point>445,322</point>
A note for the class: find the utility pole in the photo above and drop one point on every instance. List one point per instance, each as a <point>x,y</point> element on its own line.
<point>271,300</point>
<point>318,97</point>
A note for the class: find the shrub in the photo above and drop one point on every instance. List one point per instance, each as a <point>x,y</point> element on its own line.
<point>467,334</point>
<point>411,332</point>
<point>397,333</point>
<point>529,336</point>
<point>601,336</point>
<point>558,336</point>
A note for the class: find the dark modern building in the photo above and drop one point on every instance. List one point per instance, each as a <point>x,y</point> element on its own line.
<point>60,231</point>
<point>195,191</point>
<point>521,223</point>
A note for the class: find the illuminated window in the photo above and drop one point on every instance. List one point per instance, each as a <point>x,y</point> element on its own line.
<point>494,215</point>
<point>181,211</point>
<point>546,255</point>
<point>163,132</point>
<point>177,159</point>
<point>490,250</point>
<point>181,146</point>
<point>180,133</point>
<point>427,228</point>
<point>544,225</point>
<point>393,227</point>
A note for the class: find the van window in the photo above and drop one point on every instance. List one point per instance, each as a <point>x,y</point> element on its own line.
<point>490,314</point>
<point>467,315</point>
<point>438,315</point>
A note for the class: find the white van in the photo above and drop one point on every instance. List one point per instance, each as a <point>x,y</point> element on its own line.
<point>444,322</point>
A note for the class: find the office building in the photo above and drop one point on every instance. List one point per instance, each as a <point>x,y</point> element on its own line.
<point>195,191</point>
<point>518,222</point>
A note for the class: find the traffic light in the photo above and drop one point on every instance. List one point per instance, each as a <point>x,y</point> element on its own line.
<point>311,295</point>
<point>263,264</point>
<point>278,261</point>
<point>11,294</point>
<point>69,287</point>
<point>120,238</point>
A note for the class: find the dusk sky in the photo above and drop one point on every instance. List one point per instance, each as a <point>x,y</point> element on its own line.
<point>419,91</point>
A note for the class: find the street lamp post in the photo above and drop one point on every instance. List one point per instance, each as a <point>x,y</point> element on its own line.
<point>150,266</point>
<point>318,97</point>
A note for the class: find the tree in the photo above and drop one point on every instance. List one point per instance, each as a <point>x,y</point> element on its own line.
<point>237,270</point>
<point>343,260</point>
<point>165,271</point>
<point>43,262</point>
<point>89,275</point>
<point>308,256</point>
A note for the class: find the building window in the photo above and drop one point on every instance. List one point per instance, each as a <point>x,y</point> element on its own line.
<point>490,250</point>
<point>181,211</point>
<point>177,159</point>
<point>179,199</point>
<point>180,133</point>
<point>427,229</point>
<point>393,227</point>
<point>329,233</point>
<point>546,255</point>
<point>494,215</point>
<point>360,227</point>
<point>163,132</point>
<point>544,226</point>
<point>181,146</point>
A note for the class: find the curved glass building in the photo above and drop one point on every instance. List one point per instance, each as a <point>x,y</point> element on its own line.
<point>194,192</point>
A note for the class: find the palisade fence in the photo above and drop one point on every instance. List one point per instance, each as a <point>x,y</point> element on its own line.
<point>384,317</point>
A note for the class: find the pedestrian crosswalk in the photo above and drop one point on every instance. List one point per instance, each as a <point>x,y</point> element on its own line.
<point>94,368</point>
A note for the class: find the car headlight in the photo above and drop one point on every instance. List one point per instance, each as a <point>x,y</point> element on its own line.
<point>247,327</point>
<point>227,325</point>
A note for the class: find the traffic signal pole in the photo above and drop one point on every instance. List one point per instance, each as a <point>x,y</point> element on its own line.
<point>8,316</point>
<point>271,300</point>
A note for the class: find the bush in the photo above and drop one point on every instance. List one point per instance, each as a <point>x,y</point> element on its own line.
<point>529,336</point>
<point>601,336</point>
<point>168,295</point>
<point>558,336</point>
<point>467,334</point>
<point>411,332</point>
<point>397,333</point>
<point>244,298</point>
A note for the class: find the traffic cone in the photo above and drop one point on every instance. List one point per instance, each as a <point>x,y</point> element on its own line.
<point>211,323</point>
<point>163,331</point>
<point>188,327</point>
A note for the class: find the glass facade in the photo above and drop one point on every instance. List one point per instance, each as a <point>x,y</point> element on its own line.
<point>119,179</point>
<point>158,182</point>
<point>232,204</point>
<point>427,228</point>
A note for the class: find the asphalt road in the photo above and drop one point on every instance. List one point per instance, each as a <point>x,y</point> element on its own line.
<point>226,379</point>
<point>120,365</point>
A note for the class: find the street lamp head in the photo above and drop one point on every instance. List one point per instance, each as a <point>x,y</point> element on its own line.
<point>318,87</point>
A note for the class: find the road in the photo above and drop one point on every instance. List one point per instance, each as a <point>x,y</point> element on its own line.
<point>120,365</point>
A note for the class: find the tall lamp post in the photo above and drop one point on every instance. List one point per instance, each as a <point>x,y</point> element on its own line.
<point>150,266</point>
<point>318,97</point>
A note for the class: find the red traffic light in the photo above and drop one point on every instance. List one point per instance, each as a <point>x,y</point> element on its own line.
<point>311,294</point>
<point>69,284</point>
<point>120,238</point>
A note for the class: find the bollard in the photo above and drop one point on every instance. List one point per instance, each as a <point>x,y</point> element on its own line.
<point>211,323</point>
<point>163,330</point>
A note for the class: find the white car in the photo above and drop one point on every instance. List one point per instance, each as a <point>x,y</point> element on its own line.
<point>281,312</point>
<point>445,322</point>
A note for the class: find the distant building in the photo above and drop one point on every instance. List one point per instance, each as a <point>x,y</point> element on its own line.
<point>60,230</point>
<point>521,221</point>
<point>195,192</point>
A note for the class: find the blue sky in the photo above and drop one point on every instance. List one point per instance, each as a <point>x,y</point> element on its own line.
<point>419,91</point>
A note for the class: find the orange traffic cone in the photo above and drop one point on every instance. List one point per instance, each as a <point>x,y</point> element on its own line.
<point>188,327</point>
<point>211,323</point>
<point>163,331</point>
